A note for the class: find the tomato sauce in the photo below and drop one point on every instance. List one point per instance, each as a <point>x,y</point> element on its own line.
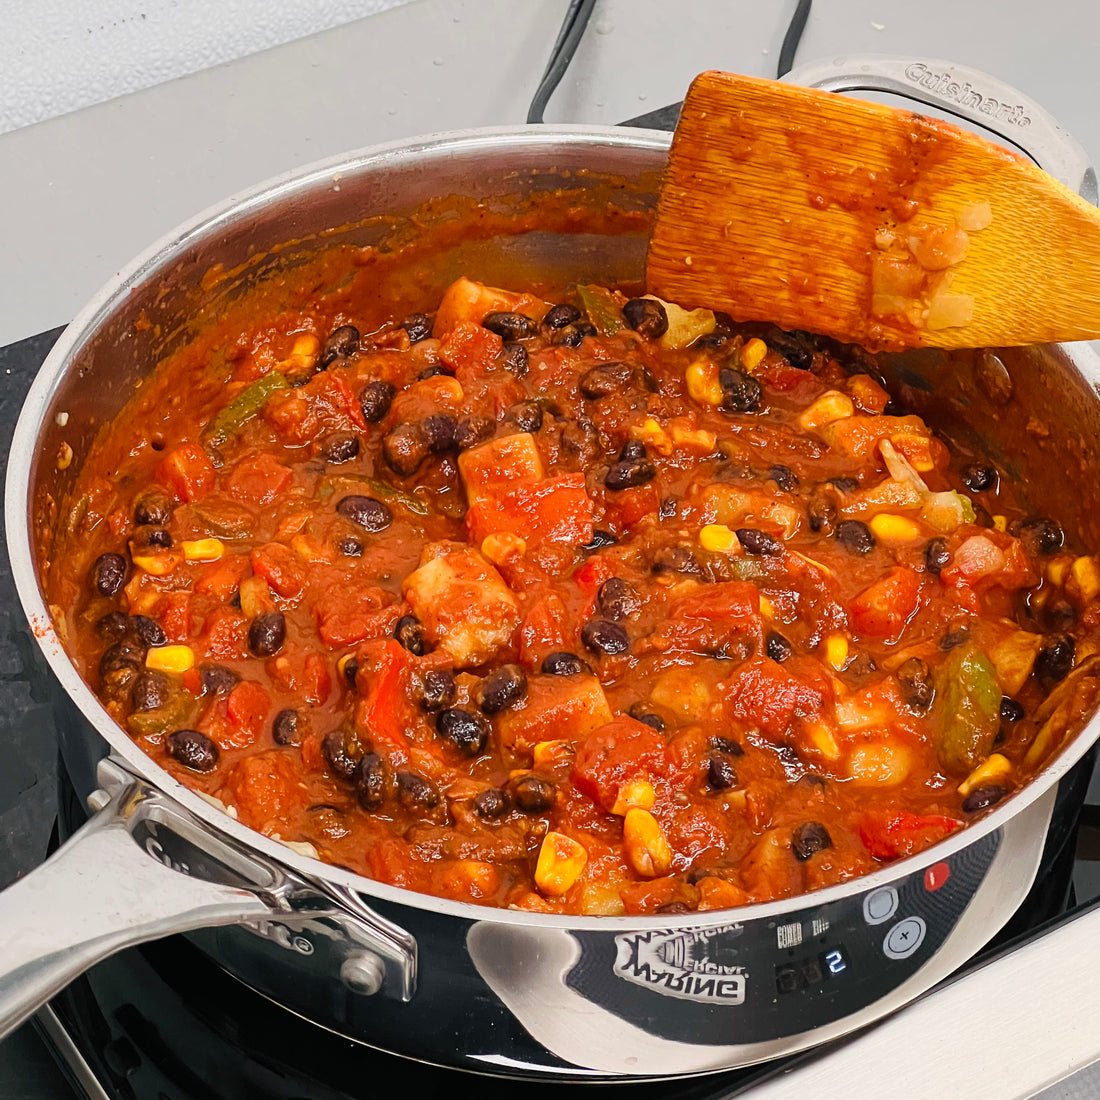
<point>576,603</point>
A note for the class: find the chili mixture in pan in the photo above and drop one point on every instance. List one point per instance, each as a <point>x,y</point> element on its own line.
<point>590,605</point>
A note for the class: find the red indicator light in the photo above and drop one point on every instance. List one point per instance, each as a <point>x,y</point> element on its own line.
<point>936,876</point>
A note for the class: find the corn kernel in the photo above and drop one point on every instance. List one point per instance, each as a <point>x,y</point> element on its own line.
<point>202,549</point>
<point>1085,574</point>
<point>867,393</point>
<point>717,536</point>
<point>1058,568</point>
<point>894,529</point>
<point>342,663</point>
<point>304,352</point>
<point>821,738</point>
<point>645,845</point>
<point>836,650</point>
<point>503,547</point>
<point>766,608</point>
<point>309,549</point>
<point>170,658</point>
<point>752,354</point>
<point>635,794</point>
<point>694,439</point>
<point>561,862</point>
<point>159,565</point>
<point>702,382</point>
<point>653,436</point>
<point>548,753</point>
<point>994,771</point>
<point>1000,523</point>
<point>829,407</point>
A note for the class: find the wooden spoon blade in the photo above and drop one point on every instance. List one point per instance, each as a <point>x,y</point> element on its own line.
<point>873,225</point>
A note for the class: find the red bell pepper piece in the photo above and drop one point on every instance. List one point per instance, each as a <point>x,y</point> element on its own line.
<point>889,835</point>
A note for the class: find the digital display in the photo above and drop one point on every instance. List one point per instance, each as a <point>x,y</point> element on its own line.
<point>810,971</point>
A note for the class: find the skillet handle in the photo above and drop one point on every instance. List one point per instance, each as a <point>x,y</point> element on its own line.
<point>99,893</point>
<point>966,93</point>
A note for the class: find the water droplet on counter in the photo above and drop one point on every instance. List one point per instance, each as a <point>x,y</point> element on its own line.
<point>604,26</point>
<point>437,61</point>
<point>642,98</point>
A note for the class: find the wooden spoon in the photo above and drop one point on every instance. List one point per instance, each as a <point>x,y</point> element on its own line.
<point>873,225</point>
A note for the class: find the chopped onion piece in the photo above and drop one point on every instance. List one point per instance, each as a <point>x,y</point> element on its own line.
<point>900,467</point>
<point>948,310</point>
<point>975,217</point>
<point>938,246</point>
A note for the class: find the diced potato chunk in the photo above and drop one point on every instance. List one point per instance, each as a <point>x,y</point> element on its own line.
<point>681,691</point>
<point>879,764</point>
<point>554,707</point>
<point>561,862</point>
<point>500,464</point>
<point>464,604</point>
<point>1014,657</point>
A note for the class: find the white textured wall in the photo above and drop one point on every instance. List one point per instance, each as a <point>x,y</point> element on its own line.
<point>58,55</point>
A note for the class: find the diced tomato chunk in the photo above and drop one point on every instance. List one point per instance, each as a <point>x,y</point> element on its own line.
<point>555,509</point>
<point>764,692</point>
<point>281,568</point>
<point>384,712</point>
<point>883,608</point>
<point>354,613</point>
<point>226,630</point>
<point>187,471</point>
<point>223,577</point>
<point>301,673</point>
<point>542,629</point>
<point>265,788</point>
<point>470,349</point>
<point>259,479</point>
<point>888,834</point>
<point>247,708</point>
<point>610,756</point>
<point>174,614</point>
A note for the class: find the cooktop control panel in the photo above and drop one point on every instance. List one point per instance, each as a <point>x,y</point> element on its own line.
<point>779,977</point>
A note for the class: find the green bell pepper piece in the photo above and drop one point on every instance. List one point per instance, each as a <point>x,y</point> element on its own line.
<point>246,405</point>
<point>966,713</point>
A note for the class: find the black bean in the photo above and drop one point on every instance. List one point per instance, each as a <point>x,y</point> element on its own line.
<point>855,536</point>
<point>513,358</point>
<point>953,639</point>
<point>266,633</point>
<point>127,653</point>
<point>1039,536</point>
<point>370,781</point>
<point>112,626</point>
<point>340,446</point>
<point>375,399</point>
<point>351,672</point>
<point>193,750</point>
<point>726,745</point>
<point>633,451</point>
<point>821,512</point>
<point>492,803</point>
<point>1058,614</point>
<point>710,341</point>
<point>501,688</point>
<point>629,475</point>
<point>560,663</point>
<point>159,538</point>
<point>434,370</point>
<point>1011,711</point>
<point>667,509</point>
<point>647,317</point>
<point>466,730</point>
<point>721,774</point>
<point>418,326</point>
<point>340,762</point>
<point>978,478</point>
<point>784,477</point>
<point>1055,660</point>
<point>982,798</point>
<point>561,315</point>
<point>525,416</point>
<point>741,392</point>
<point>617,599</point>
<point>151,690</point>
<point>439,431</point>
<point>370,514</point>
<point>639,713</point>
<point>844,484</point>
<point>149,631</point>
<point>532,794</point>
<point>284,730</point>
<point>217,679</point>
<point>677,559</point>
<point>414,792</point>
<point>808,838</point>
<point>605,636</point>
<point>409,632</point>
<point>600,538</point>
<point>339,344</point>
<point>436,689</point>
<point>509,325</point>
<point>917,686</point>
<point>936,555</point>
<point>580,438</point>
<point>777,647</point>
<point>604,379</point>
<point>350,546</point>
<point>405,448</point>
<point>572,336</point>
<point>153,509</point>
<point>759,543</point>
<point>796,347</point>
<point>108,573</point>
<point>472,430</point>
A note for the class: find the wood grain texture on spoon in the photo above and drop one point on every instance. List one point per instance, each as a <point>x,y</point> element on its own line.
<point>873,225</point>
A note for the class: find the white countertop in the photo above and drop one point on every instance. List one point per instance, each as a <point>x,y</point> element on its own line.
<point>84,192</point>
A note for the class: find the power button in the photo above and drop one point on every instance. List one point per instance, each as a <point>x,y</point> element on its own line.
<point>880,905</point>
